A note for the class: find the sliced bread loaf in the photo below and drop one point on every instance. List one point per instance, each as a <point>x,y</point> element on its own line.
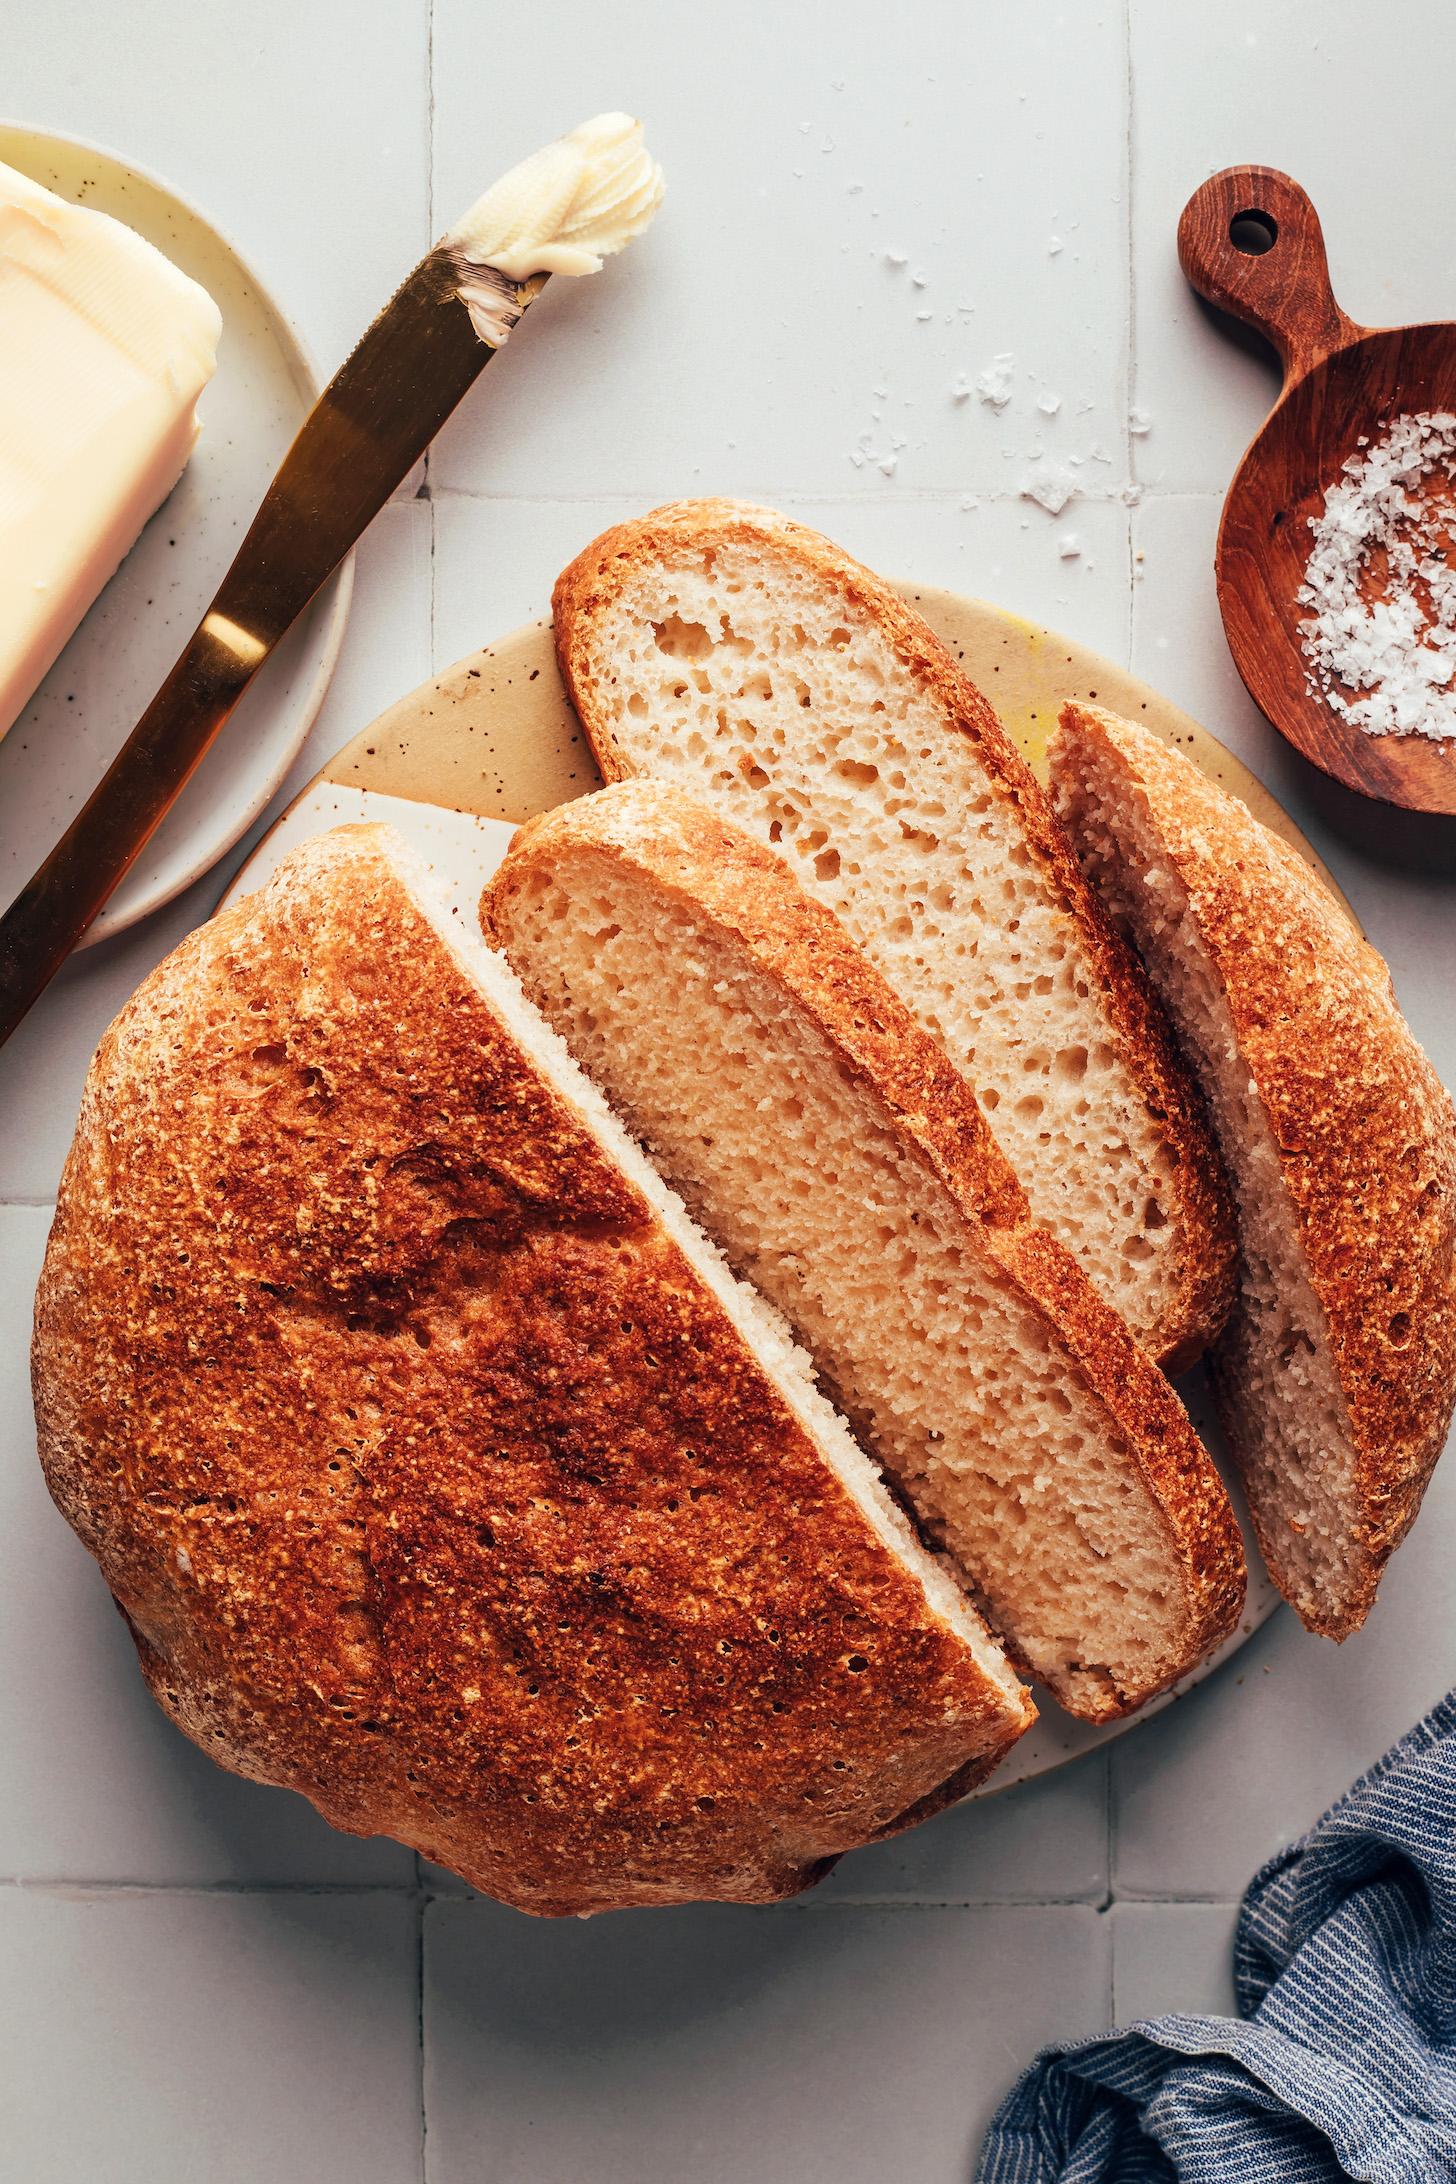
<point>828,1145</point>
<point>753,663</point>
<point>1338,1368</point>
<point>441,1467</point>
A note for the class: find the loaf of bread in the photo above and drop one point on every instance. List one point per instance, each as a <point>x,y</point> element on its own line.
<point>440,1466</point>
<point>1337,1372</point>
<point>751,662</point>
<point>826,1142</point>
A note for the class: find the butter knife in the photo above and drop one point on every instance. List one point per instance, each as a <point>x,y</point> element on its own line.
<point>372,422</point>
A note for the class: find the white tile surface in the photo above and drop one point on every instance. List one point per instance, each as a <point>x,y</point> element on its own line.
<point>1172,1956</point>
<point>166,2039</point>
<point>1219,87</point>
<point>1042,1843</point>
<point>299,129</point>
<point>735,2047</point>
<point>743,349</point>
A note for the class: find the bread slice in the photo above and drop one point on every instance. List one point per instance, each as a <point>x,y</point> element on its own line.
<point>442,1468</point>
<point>754,664</point>
<point>828,1145</point>
<point>1338,1368</point>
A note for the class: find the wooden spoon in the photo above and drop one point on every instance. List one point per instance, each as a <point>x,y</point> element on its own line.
<point>1250,242</point>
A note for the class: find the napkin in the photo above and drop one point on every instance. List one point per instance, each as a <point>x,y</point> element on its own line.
<point>1342,2060</point>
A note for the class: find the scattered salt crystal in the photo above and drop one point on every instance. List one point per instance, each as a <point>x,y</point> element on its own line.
<point>924,316</point>
<point>969,501</point>
<point>960,390</point>
<point>896,257</point>
<point>856,456</point>
<point>888,464</point>
<point>1139,423</point>
<point>993,385</point>
<point>1069,546</point>
<point>918,280</point>
<point>1049,404</point>
<point>1051,488</point>
<point>1054,246</point>
<point>1381,581</point>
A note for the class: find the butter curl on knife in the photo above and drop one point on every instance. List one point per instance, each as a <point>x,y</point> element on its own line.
<point>563,210</point>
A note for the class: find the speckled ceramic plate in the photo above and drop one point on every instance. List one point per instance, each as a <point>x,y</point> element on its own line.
<point>263,389</point>
<point>457,764</point>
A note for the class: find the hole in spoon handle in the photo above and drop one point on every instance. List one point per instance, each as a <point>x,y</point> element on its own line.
<point>1250,242</point>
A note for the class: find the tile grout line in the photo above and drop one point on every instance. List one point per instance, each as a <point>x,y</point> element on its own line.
<point>422,1894</point>
<point>1110,496</point>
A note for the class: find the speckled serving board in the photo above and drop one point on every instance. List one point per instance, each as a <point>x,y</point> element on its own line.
<point>461,761</point>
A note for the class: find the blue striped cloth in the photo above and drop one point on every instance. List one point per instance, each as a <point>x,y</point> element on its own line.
<point>1342,2060</point>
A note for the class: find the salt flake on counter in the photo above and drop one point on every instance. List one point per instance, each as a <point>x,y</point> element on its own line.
<point>1069,546</point>
<point>1049,404</point>
<point>993,385</point>
<point>1051,487</point>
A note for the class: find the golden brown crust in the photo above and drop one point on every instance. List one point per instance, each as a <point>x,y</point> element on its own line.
<point>749,897</point>
<point>1141,1032</point>
<point>432,1480</point>
<point>1364,1129</point>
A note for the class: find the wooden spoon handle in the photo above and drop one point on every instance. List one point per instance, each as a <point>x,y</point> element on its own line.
<point>1250,242</point>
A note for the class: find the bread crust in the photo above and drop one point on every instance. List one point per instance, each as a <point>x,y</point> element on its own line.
<point>1202,1297</point>
<point>748,896</point>
<point>1365,1133</point>
<point>432,1480</point>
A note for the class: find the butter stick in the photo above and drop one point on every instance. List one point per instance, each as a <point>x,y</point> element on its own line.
<point>104,349</point>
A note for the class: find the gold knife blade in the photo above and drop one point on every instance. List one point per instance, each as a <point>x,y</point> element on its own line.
<point>372,422</point>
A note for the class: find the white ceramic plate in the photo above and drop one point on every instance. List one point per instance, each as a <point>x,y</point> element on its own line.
<point>263,389</point>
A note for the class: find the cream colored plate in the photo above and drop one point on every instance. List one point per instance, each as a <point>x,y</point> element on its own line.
<point>61,745</point>
<point>462,760</point>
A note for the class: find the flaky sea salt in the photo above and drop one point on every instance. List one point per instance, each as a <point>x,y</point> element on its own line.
<point>1381,583</point>
<point>1051,488</point>
<point>993,385</point>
